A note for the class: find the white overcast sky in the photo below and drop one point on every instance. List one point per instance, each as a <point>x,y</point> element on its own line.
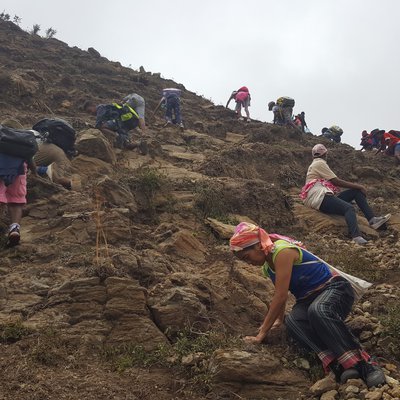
<point>339,59</point>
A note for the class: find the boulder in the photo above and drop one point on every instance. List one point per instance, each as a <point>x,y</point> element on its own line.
<point>126,297</point>
<point>12,123</point>
<point>331,395</point>
<point>368,172</point>
<point>92,143</point>
<point>138,330</point>
<point>223,231</point>
<point>175,308</point>
<point>115,194</point>
<point>260,368</point>
<point>90,167</point>
<point>375,395</point>
<point>324,385</point>
<point>321,223</point>
<point>360,323</point>
<point>184,244</point>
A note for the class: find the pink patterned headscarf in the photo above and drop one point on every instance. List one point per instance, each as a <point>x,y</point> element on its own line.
<point>247,234</point>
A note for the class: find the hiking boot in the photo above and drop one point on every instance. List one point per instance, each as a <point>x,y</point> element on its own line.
<point>143,147</point>
<point>181,126</point>
<point>337,369</point>
<point>360,240</point>
<point>13,235</point>
<point>350,373</point>
<point>130,146</point>
<point>377,222</point>
<point>372,375</point>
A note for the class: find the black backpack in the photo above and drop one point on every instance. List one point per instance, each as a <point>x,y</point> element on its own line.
<point>18,142</point>
<point>58,132</point>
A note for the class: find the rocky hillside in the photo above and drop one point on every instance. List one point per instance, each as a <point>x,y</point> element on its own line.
<point>126,288</point>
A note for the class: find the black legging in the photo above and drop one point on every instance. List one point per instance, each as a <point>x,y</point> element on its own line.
<point>341,205</point>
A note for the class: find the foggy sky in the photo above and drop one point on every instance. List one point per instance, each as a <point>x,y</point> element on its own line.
<point>339,59</point>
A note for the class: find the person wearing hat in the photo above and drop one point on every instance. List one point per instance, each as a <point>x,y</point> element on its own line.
<point>324,299</point>
<point>321,192</point>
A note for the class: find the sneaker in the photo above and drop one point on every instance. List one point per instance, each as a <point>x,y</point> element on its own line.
<point>248,120</point>
<point>350,373</point>
<point>377,222</point>
<point>49,171</point>
<point>372,375</point>
<point>181,126</point>
<point>360,240</point>
<point>13,235</point>
<point>241,119</point>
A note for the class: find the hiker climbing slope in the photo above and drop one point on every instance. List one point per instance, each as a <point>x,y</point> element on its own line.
<point>300,122</point>
<point>138,103</point>
<point>283,111</point>
<point>242,98</point>
<point>171,102</point>
<point>321,192</point>
<point>17,148</point>
<point>117,118</point>
<point>324,299</point>
<point>392,141</point>
<point>56,148</point>
<point>333,133</point>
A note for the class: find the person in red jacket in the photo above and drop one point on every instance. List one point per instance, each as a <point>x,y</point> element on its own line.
<point>242,98</point>
<point>393,144</point>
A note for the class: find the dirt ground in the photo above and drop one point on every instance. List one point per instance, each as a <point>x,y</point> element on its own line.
<point>124,289</point>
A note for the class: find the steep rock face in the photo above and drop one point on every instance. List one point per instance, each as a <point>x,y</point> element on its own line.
<point>139,255</point>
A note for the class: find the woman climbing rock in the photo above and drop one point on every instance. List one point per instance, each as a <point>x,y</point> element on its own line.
<point>324,299</point>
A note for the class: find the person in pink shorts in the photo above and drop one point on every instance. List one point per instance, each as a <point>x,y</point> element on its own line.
<point>14,195</point>
<point>242,98</point>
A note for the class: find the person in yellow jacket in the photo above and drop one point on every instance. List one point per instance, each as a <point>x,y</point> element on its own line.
<point>119,119</point>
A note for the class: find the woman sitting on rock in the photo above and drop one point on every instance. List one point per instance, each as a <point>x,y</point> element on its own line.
<point>321,188</point>
<point>323,300</point>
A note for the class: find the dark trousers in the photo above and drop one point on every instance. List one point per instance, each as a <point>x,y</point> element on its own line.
<point>173,106</point>
<point>318,324</point>
<point>341,205</point>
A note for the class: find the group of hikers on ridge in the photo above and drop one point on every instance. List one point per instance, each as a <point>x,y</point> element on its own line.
<point>47,149</point>
<point>382,141</point>
<point>118,119</point>
<point>282,110</point>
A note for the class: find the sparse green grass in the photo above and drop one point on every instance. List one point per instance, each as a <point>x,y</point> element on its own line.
<point>207,342</point>
<point>50,349</point>
<point>129,356</point>
<point>210,199</point>
<point>391,323</point>
<point>188,342</point>
<point>150,180</point>
<point>148,183</point>
<point>13,331</point>
<point>354,261</point>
